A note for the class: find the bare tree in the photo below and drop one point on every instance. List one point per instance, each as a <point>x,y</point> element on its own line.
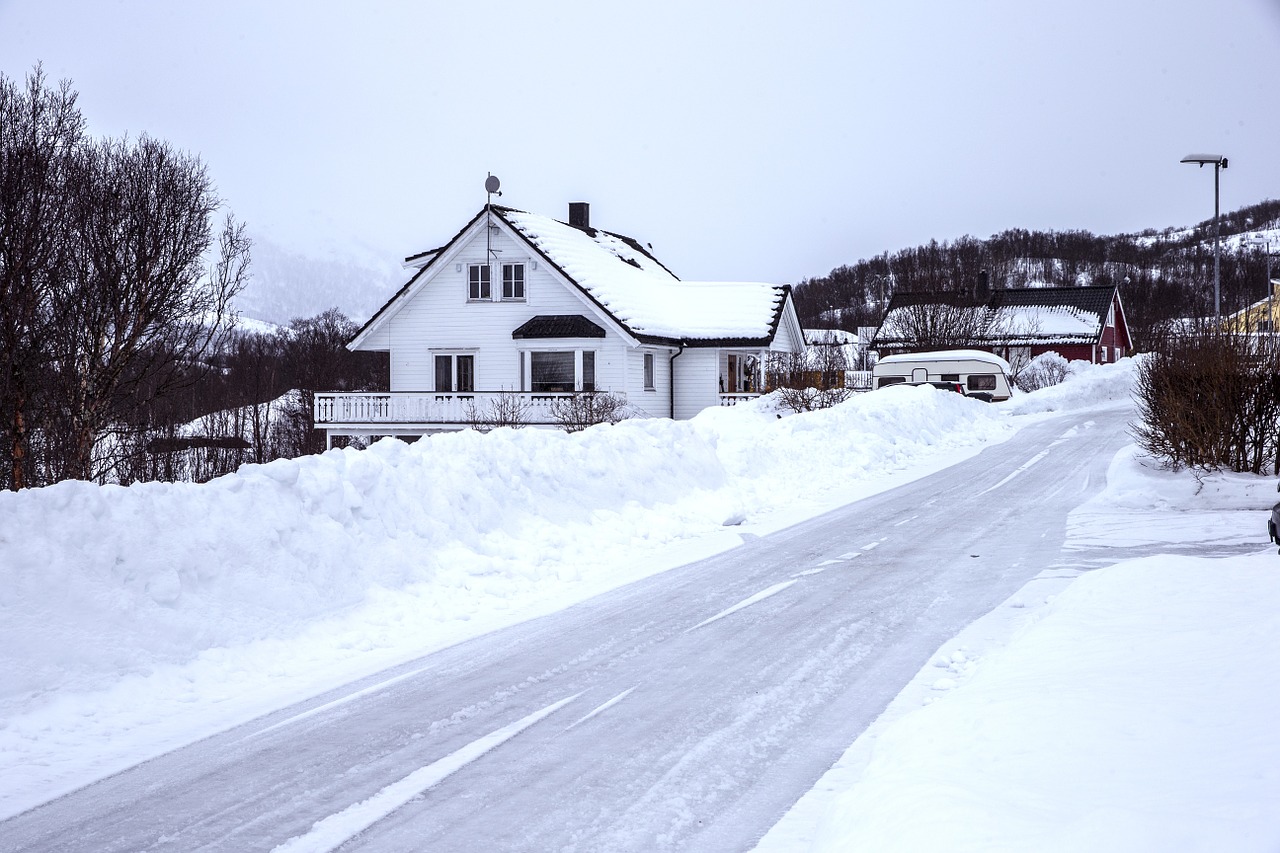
<point>937,321</point>
<point>143,306</point>
<point>814,379</point>
<point>110,298</point>
<point>317,359</point>
<point>41,130</point>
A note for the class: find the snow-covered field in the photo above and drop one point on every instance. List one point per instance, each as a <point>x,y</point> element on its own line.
<point>136,620</point>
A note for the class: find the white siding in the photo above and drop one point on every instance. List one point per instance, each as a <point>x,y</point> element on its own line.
<point>697,381</point>
<point>439,316</point>
<point>655,403</point>
<point>784,340</point>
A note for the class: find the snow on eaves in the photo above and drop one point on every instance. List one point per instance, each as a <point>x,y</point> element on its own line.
<point>644,295</point>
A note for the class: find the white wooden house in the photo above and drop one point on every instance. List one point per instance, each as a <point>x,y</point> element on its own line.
<point>523,307</point>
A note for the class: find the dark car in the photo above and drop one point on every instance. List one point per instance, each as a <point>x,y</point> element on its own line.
<point>1273,523</point>
<point>945,386</point>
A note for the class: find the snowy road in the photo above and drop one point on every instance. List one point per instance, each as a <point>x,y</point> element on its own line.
<point>686,711</point>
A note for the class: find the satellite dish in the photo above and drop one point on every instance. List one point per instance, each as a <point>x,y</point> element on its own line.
<point>491,184</point>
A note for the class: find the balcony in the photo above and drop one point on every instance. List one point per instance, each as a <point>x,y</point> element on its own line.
<point>429,410</point>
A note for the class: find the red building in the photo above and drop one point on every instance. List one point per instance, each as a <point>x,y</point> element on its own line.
<point>1078,323</point>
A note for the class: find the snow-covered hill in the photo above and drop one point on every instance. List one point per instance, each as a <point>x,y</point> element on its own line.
<point>288,282</point>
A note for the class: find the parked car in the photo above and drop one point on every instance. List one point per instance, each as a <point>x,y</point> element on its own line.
<point>958,387</point>
<point>1273,523</point>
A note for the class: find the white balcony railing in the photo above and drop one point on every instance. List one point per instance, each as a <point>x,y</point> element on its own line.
<point>735,399</point>
<point>431,408</point>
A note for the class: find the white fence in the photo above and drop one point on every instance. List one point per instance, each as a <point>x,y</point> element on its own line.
<point>433,408</point>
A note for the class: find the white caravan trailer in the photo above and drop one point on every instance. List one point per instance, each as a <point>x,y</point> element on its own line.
<point>984,375</point>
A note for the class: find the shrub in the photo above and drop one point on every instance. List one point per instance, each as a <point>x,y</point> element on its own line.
<point>1208,400</point>
<point>1044,370</point>
<point>588,408</point>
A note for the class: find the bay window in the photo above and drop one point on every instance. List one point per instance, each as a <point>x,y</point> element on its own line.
<point>558,371</point>
<point>551,372</point>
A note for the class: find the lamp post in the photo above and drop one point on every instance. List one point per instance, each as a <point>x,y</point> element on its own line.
<point>1219,163</point>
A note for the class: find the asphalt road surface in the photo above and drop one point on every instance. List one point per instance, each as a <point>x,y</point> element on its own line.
<point>686,711</point>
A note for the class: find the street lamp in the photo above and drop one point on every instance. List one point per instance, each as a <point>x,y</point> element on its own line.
<point>1219,162</point>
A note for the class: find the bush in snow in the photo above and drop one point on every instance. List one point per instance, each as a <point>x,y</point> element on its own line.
<point>588,408</point>
<point>1210,400</point>
<point>1044,370</point>
<point>505,409</point>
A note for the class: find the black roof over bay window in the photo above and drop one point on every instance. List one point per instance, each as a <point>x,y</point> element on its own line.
<point>558,326</point>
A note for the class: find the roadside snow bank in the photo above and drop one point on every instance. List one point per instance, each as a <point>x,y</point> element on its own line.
<point>107,582</point>
<point>1087,385</point>
<point>1129,716</point>
<point>1146,505</point>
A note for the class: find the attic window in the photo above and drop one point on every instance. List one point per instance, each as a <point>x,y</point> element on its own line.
<point>478,283</point>
<point>513,281</point>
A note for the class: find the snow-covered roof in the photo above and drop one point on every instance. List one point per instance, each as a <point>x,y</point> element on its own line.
<point>1015,317</point>
<point>828,337</point>
<point>641,293</point>
<point>619,276</point>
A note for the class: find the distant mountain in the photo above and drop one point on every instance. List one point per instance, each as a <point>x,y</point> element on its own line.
<point>288,283</point>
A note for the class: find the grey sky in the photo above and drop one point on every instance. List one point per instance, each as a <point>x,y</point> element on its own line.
<point>744,140</point>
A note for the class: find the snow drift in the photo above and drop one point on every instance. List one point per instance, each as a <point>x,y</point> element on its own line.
<point>104,582</point>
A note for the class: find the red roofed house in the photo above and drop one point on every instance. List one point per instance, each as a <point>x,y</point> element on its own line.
<point>1079,323</point>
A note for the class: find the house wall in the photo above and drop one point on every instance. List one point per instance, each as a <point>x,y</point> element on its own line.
<point>697,381</point>
<point>655,402</point>
<point>1071,352</point>
<point>439,317</point>
<point>786,339</point>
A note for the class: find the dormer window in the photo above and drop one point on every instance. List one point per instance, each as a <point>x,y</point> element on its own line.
<point>513,281</point>
<point>478,284</point>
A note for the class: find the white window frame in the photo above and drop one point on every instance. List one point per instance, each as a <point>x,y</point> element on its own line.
<point>525,366</point>
<point>481,283</point>
<point>452,354</point>
<point>524,282</point>
<point>649,372</point>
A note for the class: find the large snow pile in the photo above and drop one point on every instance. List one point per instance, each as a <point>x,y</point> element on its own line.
<point>119,604</point>
<point>134,620</point>
<point>1087,385</point>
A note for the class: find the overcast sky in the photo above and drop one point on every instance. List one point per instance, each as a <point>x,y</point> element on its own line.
<point>745,141</point>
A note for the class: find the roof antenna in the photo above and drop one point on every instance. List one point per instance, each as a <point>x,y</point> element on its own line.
<point>491,186</point>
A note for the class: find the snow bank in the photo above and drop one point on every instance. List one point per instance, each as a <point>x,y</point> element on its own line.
<point>1128,717</point>
<point>108,582</point>
<point>1087,385</point>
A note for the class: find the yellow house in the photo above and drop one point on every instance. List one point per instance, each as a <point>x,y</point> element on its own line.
<point>1261,316</point>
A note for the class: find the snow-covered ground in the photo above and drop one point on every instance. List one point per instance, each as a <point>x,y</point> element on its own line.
<point>136,620</point>
<point>1128,708</point>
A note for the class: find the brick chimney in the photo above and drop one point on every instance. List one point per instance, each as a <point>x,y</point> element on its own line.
<point>579,214</point>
